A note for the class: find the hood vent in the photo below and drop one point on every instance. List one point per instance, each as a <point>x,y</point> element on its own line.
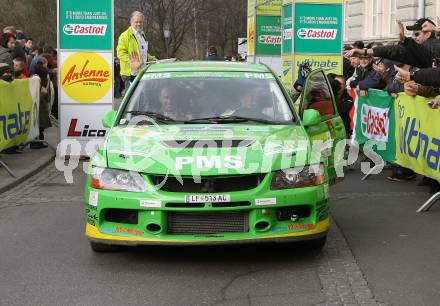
<point>224,143</point>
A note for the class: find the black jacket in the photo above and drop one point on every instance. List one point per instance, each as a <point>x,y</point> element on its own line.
<point>427,77</point>
<point>367,78</point>
<point>411,53</point>
<point>214,57</point>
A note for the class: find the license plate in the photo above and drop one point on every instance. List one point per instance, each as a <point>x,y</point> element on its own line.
<point>211,198</point>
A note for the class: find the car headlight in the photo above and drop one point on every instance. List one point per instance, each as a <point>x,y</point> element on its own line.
<point>311,175</point>
<point>112,179</point>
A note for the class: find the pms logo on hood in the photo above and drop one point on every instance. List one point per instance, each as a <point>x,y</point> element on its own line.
<point>325,34</point>
<point>270,39</point>
<point>375,122</point>
<point>86,77</point>
<point>85,29</point>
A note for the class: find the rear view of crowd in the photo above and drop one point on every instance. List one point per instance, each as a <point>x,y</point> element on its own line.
<point>411,66</point>
<point>20,58</point>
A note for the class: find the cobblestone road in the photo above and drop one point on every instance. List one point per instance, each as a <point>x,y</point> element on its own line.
<point>41,229</point>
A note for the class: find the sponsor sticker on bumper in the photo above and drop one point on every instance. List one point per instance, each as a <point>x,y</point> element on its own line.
<point>93,198</point>
<point>150,203</point>
<point>266,201</point>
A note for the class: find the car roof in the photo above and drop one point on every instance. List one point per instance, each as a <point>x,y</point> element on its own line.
<point>195,66</point>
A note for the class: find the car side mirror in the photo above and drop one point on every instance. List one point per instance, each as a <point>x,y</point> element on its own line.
<point>311,117</point>
<point>109,119</point>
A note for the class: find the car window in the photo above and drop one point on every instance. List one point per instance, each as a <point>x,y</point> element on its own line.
<point>317,95</point>
<point>187,96</point>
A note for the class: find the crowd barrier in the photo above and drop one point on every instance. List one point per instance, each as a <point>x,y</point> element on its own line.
<point>407,127</point>
<point>19,108</point>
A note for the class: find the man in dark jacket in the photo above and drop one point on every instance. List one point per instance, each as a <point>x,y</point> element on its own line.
<point>426,77</point>
<point>212,55</point>
<point>418,51</point>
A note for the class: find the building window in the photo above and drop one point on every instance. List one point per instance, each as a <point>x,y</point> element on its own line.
<point>377,17</point>
<point>393,21</point>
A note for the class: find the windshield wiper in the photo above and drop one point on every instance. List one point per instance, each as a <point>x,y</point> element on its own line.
<point>230,118</point>
<point>157,116</point>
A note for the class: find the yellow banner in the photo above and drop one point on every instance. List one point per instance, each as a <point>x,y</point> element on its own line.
<point>287,70</point>
<point>251,8</point>
<point>251,36</point>
<point>329,63</point>
<point>268,7</point>
<point>417,135</point>
<point>16,112</point>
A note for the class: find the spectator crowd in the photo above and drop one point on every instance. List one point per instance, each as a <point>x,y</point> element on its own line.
<point>412,66</point>
<point>20,58</point>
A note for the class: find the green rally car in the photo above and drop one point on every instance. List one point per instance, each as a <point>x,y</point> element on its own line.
<point>213,152</point>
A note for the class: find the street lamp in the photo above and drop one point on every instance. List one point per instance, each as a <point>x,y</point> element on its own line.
<point>166,35</point>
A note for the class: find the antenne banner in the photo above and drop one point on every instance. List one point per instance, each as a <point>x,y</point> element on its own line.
<point>85,75</point>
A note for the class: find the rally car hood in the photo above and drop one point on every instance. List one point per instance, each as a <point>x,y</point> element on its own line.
<point>189,150</point>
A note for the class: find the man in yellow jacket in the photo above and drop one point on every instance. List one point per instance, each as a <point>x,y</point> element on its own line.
<point>131,41</point>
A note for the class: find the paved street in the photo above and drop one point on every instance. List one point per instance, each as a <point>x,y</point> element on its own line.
<point>45,258</point>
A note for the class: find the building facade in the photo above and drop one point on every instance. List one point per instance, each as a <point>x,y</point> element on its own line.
<point>375,20</point>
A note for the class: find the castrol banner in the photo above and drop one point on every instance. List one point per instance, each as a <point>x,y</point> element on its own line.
<point>85,72</point>
<point>312,32</point>
<point>375,120</point>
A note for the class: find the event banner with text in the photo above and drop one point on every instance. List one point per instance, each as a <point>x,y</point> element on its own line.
<point>85,40</point>
<point>19,102</point>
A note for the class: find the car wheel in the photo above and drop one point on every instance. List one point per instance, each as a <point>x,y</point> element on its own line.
<point>103,248</point>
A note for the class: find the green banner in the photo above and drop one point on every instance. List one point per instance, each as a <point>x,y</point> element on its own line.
<point>375,120</point>
<point>318,28</point>
<point>268,35</point>
<point>85,24</point>
<point>418,138</point>
<point>16,112</point>
<point>287,29</point>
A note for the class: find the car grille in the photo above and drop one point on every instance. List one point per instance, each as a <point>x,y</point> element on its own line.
<point>208,222</point>
<point>208,184</point>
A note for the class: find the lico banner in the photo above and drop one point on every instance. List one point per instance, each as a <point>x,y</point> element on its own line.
<point>85,74</point>
<point>19,108</point>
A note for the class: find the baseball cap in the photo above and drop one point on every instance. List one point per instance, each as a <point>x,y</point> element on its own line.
<point>5,68</point>
<point>20,36</point>
<point>417,26</point>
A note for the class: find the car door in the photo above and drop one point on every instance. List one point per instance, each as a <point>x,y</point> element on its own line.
<point>317,94</point>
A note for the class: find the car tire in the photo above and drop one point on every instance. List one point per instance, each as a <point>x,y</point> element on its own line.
<point>103,248</point>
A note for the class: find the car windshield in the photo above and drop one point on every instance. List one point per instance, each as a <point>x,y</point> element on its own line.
<point>204,97</point>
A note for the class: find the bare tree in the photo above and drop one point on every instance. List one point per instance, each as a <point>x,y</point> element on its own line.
<point>194,24</point>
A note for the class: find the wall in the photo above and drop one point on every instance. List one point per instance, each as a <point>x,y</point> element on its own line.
<point>359,18</point>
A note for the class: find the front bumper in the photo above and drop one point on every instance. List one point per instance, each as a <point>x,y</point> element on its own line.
<point>95,235</point>
<point>313,225</point>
